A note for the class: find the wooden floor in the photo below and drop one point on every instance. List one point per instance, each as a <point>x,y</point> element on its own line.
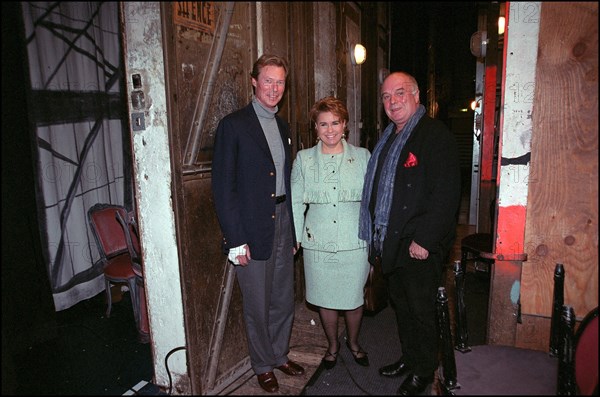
<point>308,342</point>
<point>307,345</point>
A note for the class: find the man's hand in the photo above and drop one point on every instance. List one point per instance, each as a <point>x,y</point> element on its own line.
<point>240,255</point>
<point>417,252</point>
<point>244,259</point>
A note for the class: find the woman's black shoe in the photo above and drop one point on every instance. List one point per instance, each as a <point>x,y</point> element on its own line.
<point>328,364</point>
<point>364,360</point>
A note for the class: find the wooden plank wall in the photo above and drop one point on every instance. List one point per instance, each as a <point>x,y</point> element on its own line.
<point>562,209</point>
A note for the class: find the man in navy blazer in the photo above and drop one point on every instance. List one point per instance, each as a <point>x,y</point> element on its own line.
<point>251,187</point>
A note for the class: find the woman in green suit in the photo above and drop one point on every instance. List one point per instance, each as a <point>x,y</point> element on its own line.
<point>327,183</point>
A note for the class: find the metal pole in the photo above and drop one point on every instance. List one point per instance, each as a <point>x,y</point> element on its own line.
<point>448,361</point>
<point>566,385</point>
<point>557,304</point>
<point>462,334</point>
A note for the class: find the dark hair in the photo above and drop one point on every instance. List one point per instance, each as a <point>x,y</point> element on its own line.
<point>329,104</point>
<point>266,60</point>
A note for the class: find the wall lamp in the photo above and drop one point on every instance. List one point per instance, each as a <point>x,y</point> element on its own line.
<point>501,25</point>
<point>358,54</point>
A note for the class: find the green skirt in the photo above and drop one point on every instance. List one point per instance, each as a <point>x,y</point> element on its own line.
<point>335,280</point>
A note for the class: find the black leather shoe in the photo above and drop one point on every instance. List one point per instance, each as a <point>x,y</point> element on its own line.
<point>398,368</point>
<point>329,364</point>
<point>414,384</point>
<point>360,360</point>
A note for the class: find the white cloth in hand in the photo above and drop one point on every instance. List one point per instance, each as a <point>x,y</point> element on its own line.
<point>234,252</point>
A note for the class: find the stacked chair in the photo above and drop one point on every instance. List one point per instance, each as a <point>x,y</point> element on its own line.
<point>118,245</point>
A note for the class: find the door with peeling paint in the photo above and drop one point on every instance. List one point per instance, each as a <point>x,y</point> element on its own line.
<point>187,65</point>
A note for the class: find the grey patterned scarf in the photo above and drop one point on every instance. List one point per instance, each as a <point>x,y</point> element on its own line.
<point>385,189</point>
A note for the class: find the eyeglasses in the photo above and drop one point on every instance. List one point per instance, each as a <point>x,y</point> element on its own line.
<point>400,94</point>
<point>268,83</point>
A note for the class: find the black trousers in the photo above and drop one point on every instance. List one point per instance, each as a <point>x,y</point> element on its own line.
<point>413,291</point>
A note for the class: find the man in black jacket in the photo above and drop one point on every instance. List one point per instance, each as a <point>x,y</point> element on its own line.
<point>251,186</point>
<point>408,213</point>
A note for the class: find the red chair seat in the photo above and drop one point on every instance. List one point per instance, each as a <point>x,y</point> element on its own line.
<point>119,268</point>
<point>115,257</point>
<point>586,355</point>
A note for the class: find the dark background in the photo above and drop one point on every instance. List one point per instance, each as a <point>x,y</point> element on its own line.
<point>447,27</point>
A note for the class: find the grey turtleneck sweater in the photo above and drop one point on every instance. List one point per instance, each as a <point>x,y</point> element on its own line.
<point>273,136</point>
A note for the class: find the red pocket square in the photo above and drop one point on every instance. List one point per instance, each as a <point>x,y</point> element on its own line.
<point>411,161</point>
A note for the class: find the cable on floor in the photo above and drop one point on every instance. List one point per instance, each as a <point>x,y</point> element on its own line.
<point>167,366</point>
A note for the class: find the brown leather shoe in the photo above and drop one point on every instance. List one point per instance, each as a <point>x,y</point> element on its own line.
<point>268,382</point>
<point>291,368</point>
